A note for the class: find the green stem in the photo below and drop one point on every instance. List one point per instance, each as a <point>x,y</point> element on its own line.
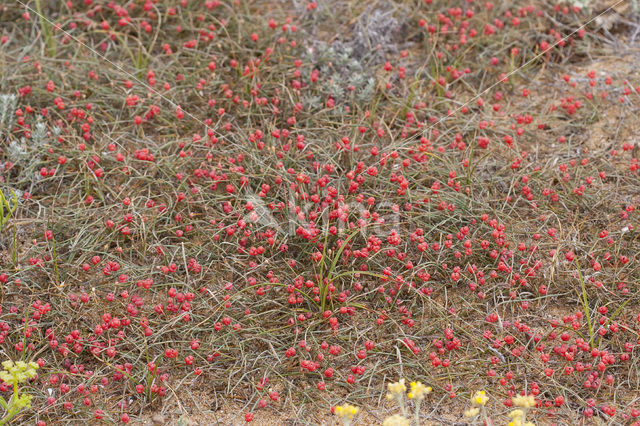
<point>11,407</point>
<point>45,27</point>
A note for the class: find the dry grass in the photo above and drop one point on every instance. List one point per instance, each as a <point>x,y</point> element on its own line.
<point>201,184</point>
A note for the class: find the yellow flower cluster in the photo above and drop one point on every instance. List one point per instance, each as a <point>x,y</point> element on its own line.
<point>518,419</point>
<point>13,374</point>
<point>396,389</point>
<point>23,401</point>
<point>471,412</point>
<point>18,372</point>
<point>519,416</point>
<point>479,398</point>
<point>396,420</point>
<point>346,412</point>
<point>418,391</point>
<point>524,401</point>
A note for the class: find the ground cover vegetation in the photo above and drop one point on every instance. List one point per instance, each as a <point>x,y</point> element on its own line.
<point>290,207</point>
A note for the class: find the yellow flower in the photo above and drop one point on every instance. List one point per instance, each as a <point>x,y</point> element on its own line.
<point>24,401</point>
<point>397,388</point>
<point>479,398</point>
<point>524,401</point>
<point>471,412</point>
<point>17,372</point>
<point>396,420</point>
<point>5,376</point>
<point>346,411</point>
<point>516,414</point>
<point>418,391</point>
<point>518,418</point>
<point>519,422</point>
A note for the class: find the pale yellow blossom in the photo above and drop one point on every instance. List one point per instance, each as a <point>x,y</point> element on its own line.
<point>396,389</point>
<point>471,412</point>
<point>516,414</point>
<point>346,411</point>
<point>396,420</point>
<point>480,398</point>
<point>518,418</point>
<point>524,401</point>
<point>17,372</point>
<point>418,391</point>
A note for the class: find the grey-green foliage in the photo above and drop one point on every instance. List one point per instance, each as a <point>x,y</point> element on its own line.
<point>377,30</point>
<point>340,68</point>
<point>8,103</point>
<point>15,152</point>
<point>366,92</point>
<point>353,59</point>
<point>26,153</point>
